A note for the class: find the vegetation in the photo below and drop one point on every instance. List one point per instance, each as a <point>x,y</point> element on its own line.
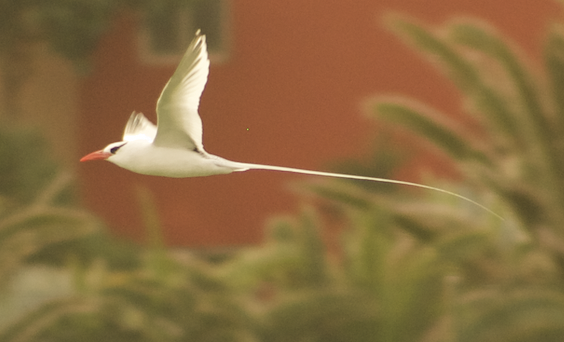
<point>64,279</point>
<point>72,28</point>
<point>403,268</point>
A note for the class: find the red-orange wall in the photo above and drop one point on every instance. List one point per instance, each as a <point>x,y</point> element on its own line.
<point>289,94</point>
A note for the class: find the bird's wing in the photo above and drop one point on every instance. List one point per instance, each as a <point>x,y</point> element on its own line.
<point>139,127</point>
<point>179,124</point>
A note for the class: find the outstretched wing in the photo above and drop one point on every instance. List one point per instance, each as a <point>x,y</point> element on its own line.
<point>139,127</point>
<point>179,124</point>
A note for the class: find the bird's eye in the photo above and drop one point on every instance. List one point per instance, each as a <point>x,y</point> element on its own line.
<point>114,149</point>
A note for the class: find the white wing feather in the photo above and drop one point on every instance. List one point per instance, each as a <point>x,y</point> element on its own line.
<point>179,124</point>
<point>139,127</point>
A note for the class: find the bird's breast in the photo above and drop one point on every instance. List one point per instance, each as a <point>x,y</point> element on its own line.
<point>171,162</point>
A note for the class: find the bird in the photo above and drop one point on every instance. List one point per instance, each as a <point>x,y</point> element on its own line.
<point>174,148</point>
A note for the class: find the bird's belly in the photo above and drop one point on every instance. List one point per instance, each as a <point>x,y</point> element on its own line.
<point>177,163</point>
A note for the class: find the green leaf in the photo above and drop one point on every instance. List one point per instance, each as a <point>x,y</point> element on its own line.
<point>554,59</point>
<point>526,315</point>
<point>327,315</point>
<point>313,263</point>
<point>366,248</point>
<point>433,127</point>
<point>532,120</point>
<point>35,325</point>
<point>458,69</point>
<point>491,108</point>
<point>484,39</point>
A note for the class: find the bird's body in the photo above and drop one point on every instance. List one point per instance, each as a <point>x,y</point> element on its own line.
<point>143,157</point>
<point>174,147</point>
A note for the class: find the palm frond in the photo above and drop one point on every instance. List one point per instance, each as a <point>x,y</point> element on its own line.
<point>489,106</point>
<point>434,126</point>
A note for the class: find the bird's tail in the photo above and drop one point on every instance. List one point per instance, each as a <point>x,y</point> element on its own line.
<point>247,166</point>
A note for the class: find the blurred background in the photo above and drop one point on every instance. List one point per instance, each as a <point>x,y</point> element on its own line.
<point>465,96</point>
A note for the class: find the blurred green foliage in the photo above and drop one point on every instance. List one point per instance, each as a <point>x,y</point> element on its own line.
<point>518,154</point>
<point>72,28</point>
<point>26,165</point>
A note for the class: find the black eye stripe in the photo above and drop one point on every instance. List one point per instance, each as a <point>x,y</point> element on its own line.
<point>113,150</point>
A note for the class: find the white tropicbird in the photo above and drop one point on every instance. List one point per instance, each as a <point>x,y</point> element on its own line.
<point>174,147</point>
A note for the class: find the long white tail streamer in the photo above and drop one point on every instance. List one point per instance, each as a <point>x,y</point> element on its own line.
<point>247,166</point>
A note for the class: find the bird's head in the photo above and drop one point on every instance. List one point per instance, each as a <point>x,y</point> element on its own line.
<point>107,153</point>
